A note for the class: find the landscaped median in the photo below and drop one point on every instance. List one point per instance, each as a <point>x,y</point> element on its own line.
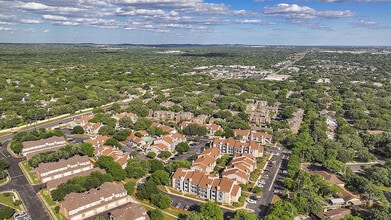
<point>168,213</point>
<point>50,205</point>
<point>29,173</point>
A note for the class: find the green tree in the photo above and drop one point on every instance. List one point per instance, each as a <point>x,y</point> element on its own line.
<point>244,215</point>
<point>78,129</point>
<point>195,129</point>
<point>156,165</point>
<point>142,124</point>
<point>113,142</point>
<point>212,210</point>
<point>160,177</point>
<point>125,122</point>
<point>164,155</point>
<point>87,149</point>
<point>182,147</point>
<point>6,212</point>
<point>106,130</point>
<point>3,164</point>
<point>151,155</point>
<point>156,214</point>
<point>122,135</point>
<point>195,216</point>
<point>171,167</point>
<point>130,187</point>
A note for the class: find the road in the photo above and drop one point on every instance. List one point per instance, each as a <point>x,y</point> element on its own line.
<point>273,182</point>
<point>20,184</point>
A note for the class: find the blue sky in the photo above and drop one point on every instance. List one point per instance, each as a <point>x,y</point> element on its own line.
<point>255,22</point>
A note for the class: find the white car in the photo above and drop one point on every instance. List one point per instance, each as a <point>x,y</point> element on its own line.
<point>251,201</point>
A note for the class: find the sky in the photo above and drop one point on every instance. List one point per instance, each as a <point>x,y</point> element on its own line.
<point>252,22</point>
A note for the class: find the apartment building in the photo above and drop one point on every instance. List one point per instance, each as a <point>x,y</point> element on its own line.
<point>130,211</point>
<point>232,146</point>
<point>78,206</point>
<point>63,168</point>
<point>31,148</point>
<point>206,186</point>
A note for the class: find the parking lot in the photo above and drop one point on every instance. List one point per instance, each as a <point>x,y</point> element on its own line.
<point>193,205</point>
<point>271,182</point>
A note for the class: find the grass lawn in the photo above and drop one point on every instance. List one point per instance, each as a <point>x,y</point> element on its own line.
<point>7,200</point>
<point>275,199</point>
<point>30,172</point>
<point>150,207</point>
<point>44,194</point>
<point>384,188</point>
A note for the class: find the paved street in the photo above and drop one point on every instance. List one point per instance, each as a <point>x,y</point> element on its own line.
<point>20,184</point>
<point>273,182</point>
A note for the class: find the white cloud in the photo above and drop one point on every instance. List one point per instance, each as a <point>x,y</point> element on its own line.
<point>54,17</point>
<point>5,29</point>
<point>303,12</point>
<point>30,21</point>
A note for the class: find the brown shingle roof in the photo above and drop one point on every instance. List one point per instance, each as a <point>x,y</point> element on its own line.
<point>71,163</point>
<point>130,211</point>
<point>73,200</point>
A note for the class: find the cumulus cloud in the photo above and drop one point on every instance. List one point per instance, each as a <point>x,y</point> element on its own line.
<point>54,17</point>
<point>5,29</point>
<point>30,21</point>
<point>303,12</point>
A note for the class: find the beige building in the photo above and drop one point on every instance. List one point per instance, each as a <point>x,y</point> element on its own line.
<point>232,146</point>
<point>34,147</point>
<point>130,212</point>
<point>63,168</point>
<point>78,206</point>
<point>206,186</point>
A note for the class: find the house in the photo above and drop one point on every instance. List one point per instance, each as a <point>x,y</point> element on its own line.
<point>92,128</point>
<point>333,214</point>
<point>62,168</point>
<point>34,147</point>
<point>232,146</point>
<point>240,168</point>
<point>117,155</point>
<point>329,177</point>
<point>81,121</point>
<point>163,115</point>
<point>78,206</point>
<point>125,114</point>
<point>98,140</point>
<point>206,186</point>
<point>245,134</point>
<point>213,128</point>
<point>130,211</point>
<point>261,137</point>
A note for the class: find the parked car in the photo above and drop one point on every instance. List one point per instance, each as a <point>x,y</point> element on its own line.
<point>251,201</point>
<point>267,170</point>
<point>254,197</point>
<point>186,207</point>
<point>178,205</point>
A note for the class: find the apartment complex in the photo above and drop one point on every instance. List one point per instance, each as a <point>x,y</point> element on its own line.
<point>232,146</point>
<point>206,186</point>
<point>63,168</point>
<point>78,206</point>
<point>31,148</point>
